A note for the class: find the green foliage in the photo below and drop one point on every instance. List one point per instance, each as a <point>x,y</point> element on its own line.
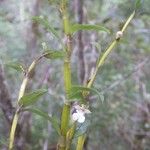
<point>31,98</point>
<point>78,27</point>
<point>53,120</point>
<point>15,65</point>
<point>53,54</point>
<point>138,4</point>
<point>121,87</point>
<point>43,21</point>
<point>77,93</point>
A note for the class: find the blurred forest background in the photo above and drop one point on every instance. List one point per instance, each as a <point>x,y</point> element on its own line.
<point>122,121</point>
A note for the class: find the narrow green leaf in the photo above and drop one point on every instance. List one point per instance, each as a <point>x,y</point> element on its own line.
<point>76,93</point>
<point>44,21</point>
<point>53,120</point>
<point>78,27</point>
<point>76,96</point>
<point>30,98</point>
<point>53,54</point>
<point>15,65</point>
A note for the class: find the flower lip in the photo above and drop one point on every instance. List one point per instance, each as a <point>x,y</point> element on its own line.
<point>79,112</point>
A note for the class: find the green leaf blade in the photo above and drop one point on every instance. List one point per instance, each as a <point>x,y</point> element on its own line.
<point>76,93</point>
<point>31,98</point>
<point>53,54</point>
<point>78,27</point>
<point>15,65</point>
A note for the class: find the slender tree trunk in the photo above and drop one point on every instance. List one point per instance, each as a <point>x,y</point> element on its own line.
<point>80,47</point>
<point>5,100</point>
<point>5,104</point>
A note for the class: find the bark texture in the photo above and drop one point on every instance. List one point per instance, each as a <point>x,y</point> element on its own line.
<point>5,100</point>
<point>80,44</point>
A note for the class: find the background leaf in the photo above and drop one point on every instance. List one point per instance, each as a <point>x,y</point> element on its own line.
<point>78,27</point>
<point>31,98</point>
<point>53,120</point>
<point>46,24</point>
<point>77,93</point>
<point>138,4</point>
<point>54,54</point>
<point>15,65</point>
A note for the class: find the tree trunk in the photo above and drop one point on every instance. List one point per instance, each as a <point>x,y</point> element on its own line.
<point>5,100</point>
<point>80,44</point>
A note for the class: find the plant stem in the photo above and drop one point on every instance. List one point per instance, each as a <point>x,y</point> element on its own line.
<point>100,63</point>
<point>12,131</point>
<point>108,51</point>
<point>67,77</point>
<point>65,119</point>
<point>70,135</point>
<point>21,94</point>
<point>80,142</point>
<point>16,116</point>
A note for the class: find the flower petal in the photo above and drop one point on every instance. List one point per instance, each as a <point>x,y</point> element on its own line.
<point>87,111</point>
<point>81,119</point>
<point>75,116</point>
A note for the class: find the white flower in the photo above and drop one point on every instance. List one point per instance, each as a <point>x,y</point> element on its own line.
<point>79,113</point>
<point>78,116</point>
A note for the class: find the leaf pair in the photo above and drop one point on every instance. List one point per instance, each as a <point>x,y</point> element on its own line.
<point>31,98</point>
<point>73,27</point>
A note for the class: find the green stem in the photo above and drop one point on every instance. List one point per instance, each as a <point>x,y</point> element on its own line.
<point>100,63</point>
<point>108,51</point>
<point>12,131</point>
<point>16,116</point>
<point>67,77</point>
<point>128,21</point>
<point>21,94</point>
<point>70,135</point>
<point>65,119</point>
<point>80,142</point>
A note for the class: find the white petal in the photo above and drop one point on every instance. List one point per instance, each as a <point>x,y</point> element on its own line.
<point>75,116</point>
<point>81,119</point>
<point>80,112</point>
<point>87,111</point>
